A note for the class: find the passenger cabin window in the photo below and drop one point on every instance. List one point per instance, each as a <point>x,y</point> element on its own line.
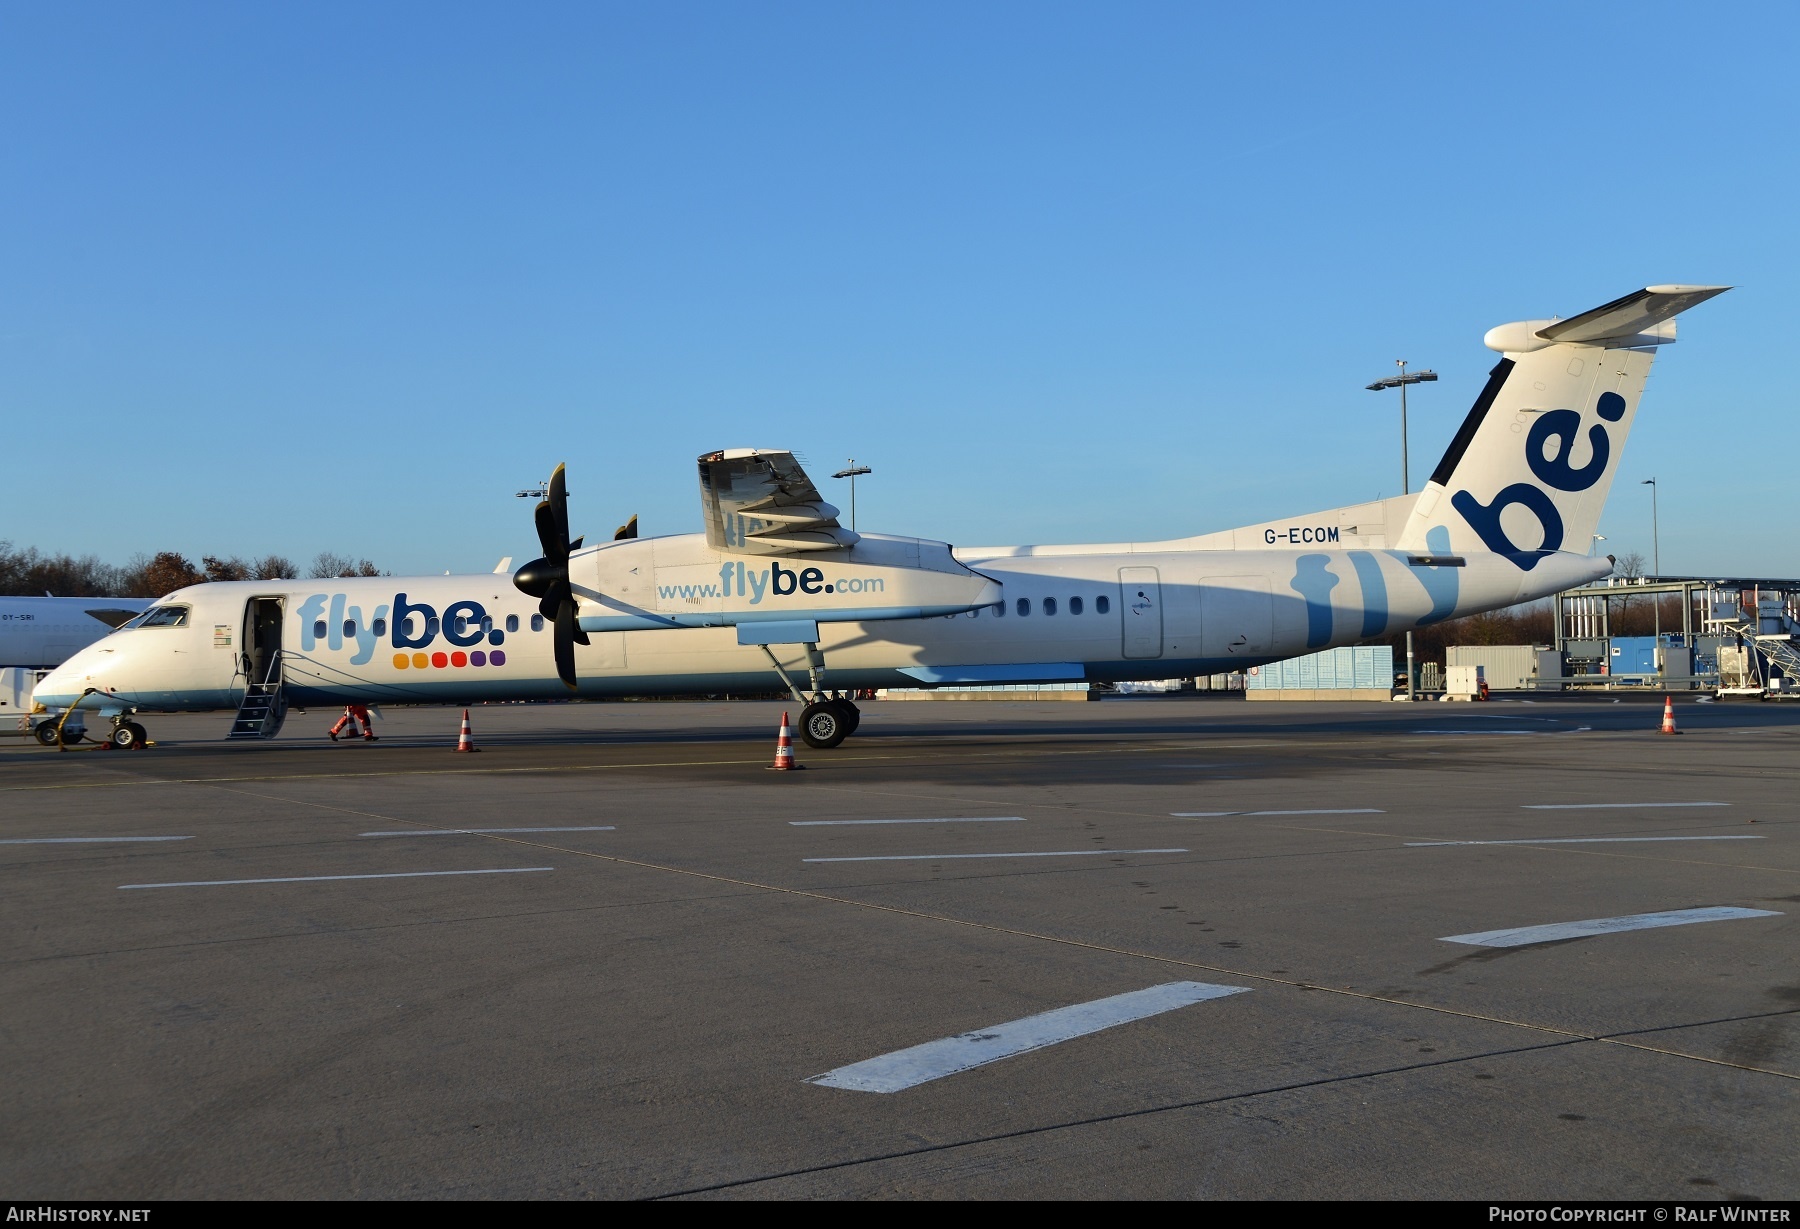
<point>1024,606</point>
<point>512,623</point>
<point>164,616</point>
<point>1102,604</point>
<point>459,625</point>
<point>537,622</point>
<point>379,627</point>
<point>350,629</point>
<point>318,629</point>
<point>487,624</point>
<point>999,610</point>
<point>1074,605</point>
<point>431,625</point>
<point>1049,605</point>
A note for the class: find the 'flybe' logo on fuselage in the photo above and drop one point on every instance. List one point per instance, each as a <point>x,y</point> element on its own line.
<point>735,580</point>
<point>1552,468</point>
<point>415,626</point>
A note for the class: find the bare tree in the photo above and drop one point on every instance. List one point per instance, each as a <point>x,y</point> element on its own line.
<point>233,568</point>
<point>327,564</point>
<point>166,572</point>
<point>28,572</point>
<point>275,567</point>
<point>1631,566</point>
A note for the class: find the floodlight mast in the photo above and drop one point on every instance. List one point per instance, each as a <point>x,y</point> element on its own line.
<point>1401,382</point>
<point>1656,564</point>
<point>851,471</point>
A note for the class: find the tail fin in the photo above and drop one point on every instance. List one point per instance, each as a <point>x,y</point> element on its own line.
<point>1530,469</point>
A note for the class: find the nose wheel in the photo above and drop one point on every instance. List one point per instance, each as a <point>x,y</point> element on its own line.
<point>128,736</point>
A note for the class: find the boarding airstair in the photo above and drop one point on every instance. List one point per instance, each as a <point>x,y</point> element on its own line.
<point>264,707</point>
<point>1768,641</point>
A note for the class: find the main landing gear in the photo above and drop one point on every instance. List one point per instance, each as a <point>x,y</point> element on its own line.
<point>826,720</point>
<point>826,723</point>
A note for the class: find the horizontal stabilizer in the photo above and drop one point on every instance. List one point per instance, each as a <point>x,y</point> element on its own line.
<point>1636,313</point>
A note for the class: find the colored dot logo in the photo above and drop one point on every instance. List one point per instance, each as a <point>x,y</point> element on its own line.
<point>452,661</point>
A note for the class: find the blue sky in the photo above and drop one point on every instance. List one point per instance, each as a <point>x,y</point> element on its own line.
<point>344,277</point>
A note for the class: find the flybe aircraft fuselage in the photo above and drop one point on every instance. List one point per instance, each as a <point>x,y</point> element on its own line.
<point>1059,614</point>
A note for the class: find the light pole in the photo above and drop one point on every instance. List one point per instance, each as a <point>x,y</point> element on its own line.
<point>1595,545</point>
<point>1400,382</point>
<point>851,471</point>
<point>1656,566</point>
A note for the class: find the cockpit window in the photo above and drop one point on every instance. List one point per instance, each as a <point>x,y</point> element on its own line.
<point>163,616</point>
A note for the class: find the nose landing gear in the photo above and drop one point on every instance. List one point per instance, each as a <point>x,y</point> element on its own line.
<point>128,736</point>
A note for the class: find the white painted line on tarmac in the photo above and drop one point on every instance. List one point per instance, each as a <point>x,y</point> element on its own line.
<point>829,823</point>
<point>1614,806</point>
<point>920,1064</point>
<point>945,857</point>
<point>1522,935</point>
<point>219,883</point>
<point>86,840</point>
<point>467,831</point>
<point>1583,840</point>
<point>1325,811</point>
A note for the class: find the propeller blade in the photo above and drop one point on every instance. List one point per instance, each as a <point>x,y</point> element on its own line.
<point>563,641</point>
<point>553,547</point>
<point>558,499</point>
<point>547,579</point>
<point>627,530</point>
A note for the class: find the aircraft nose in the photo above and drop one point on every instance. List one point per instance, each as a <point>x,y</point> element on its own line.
<point>63,686</point>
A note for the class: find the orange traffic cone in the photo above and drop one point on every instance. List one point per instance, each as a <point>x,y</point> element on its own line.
<point>1668,725</point>
<point>467,740</point>
<point>784,749</point>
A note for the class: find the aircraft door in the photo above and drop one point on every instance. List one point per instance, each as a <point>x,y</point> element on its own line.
<point>1237,616</point>
<point>1140,609</point>
<point>262,638</point>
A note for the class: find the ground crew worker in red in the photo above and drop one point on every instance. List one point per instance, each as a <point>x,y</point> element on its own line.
<point>355,714</point>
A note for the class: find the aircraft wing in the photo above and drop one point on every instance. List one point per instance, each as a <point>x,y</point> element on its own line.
<point>758,501</point>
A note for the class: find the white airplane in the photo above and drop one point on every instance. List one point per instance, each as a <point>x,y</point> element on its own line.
<point>777,587</point>
<point>38,632</point>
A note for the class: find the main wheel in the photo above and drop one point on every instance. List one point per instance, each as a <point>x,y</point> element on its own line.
<point>823,725</point>
<point>852,715</point>
<point>127,736</point>
<point>46,733</point>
